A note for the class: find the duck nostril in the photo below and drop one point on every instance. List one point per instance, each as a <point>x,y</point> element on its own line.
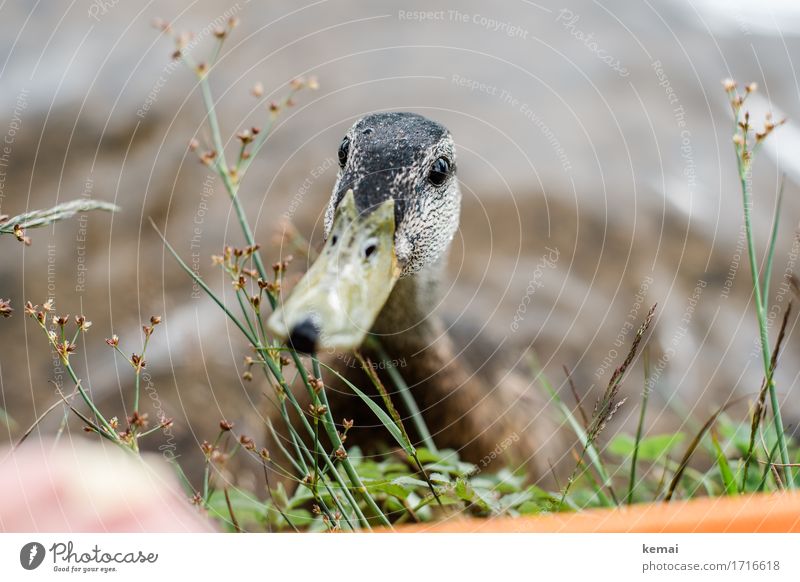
<point>304,337</point>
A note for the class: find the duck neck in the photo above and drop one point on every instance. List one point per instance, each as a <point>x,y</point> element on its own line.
<point>408,323</point>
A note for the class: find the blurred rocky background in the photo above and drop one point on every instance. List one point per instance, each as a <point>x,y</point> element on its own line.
<point>598,130</point>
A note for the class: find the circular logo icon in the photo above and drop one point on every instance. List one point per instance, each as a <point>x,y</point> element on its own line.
<point>31,555</point>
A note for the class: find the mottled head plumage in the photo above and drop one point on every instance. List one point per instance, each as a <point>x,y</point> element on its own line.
<point>410,159</point>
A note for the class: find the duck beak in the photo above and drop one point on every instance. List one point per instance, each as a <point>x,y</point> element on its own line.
<point>337,301</point>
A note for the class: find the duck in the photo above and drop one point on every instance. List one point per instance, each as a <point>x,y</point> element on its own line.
<point>388,226</point>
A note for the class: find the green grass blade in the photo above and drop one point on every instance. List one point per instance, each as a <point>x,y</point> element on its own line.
<point>197,279</point>
<point>767,468</point>
<point>577,428</point>
<point>773,237</point>
<point>405,395</point>
<point>43,217</point>
<point>385,419</point>
<point>728,480</point>
<point>640,427</point>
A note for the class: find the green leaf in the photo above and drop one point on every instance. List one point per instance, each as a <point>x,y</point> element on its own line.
<point>464,490</point>
<point>425,455</point>
<point>248,510</point>
<point>650,448</point>
<point>530,508</point>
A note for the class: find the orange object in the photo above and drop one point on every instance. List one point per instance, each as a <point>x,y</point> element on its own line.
<point>769,513</point>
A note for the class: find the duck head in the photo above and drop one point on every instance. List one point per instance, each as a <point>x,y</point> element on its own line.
<point>392,215</point>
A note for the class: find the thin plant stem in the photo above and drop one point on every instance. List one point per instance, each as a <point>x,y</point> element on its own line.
<point>405,396</point>
<point>640,426</point>
<point>336,442</point>
<point>762,321</point>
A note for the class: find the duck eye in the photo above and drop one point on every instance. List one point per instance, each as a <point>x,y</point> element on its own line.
<point>344,151</point>
<point>439,172</point>
<point>334,238</point>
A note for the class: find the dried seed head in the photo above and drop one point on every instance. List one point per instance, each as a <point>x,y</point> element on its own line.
<point>738,139</point>
<point>155,320</point>
<point>257,90</point>
<point>48,306</point>
<point>245,136</point>
<point>65,348</point>
<point>341,454</point>
<point>138,362</point>
<point>182,39</point>
<point>113,341</point>
<point>316,384</point>
<point>19,232</point>
<point>138,420</point>
<point>751,88</point>
<point>313,84</point>
<point>225,426</point>
<point>30,308</point>
<point>348,424</point>
<point>729,84</point>
<point>207,158</point>
<point>5,308</point>
<point>247,376</point>
<point>284,360</point>
<point>247,443</point>
<point>82,324</point>
<point>207,448</point>
<point>264,455</point>
<point>220,32</point>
